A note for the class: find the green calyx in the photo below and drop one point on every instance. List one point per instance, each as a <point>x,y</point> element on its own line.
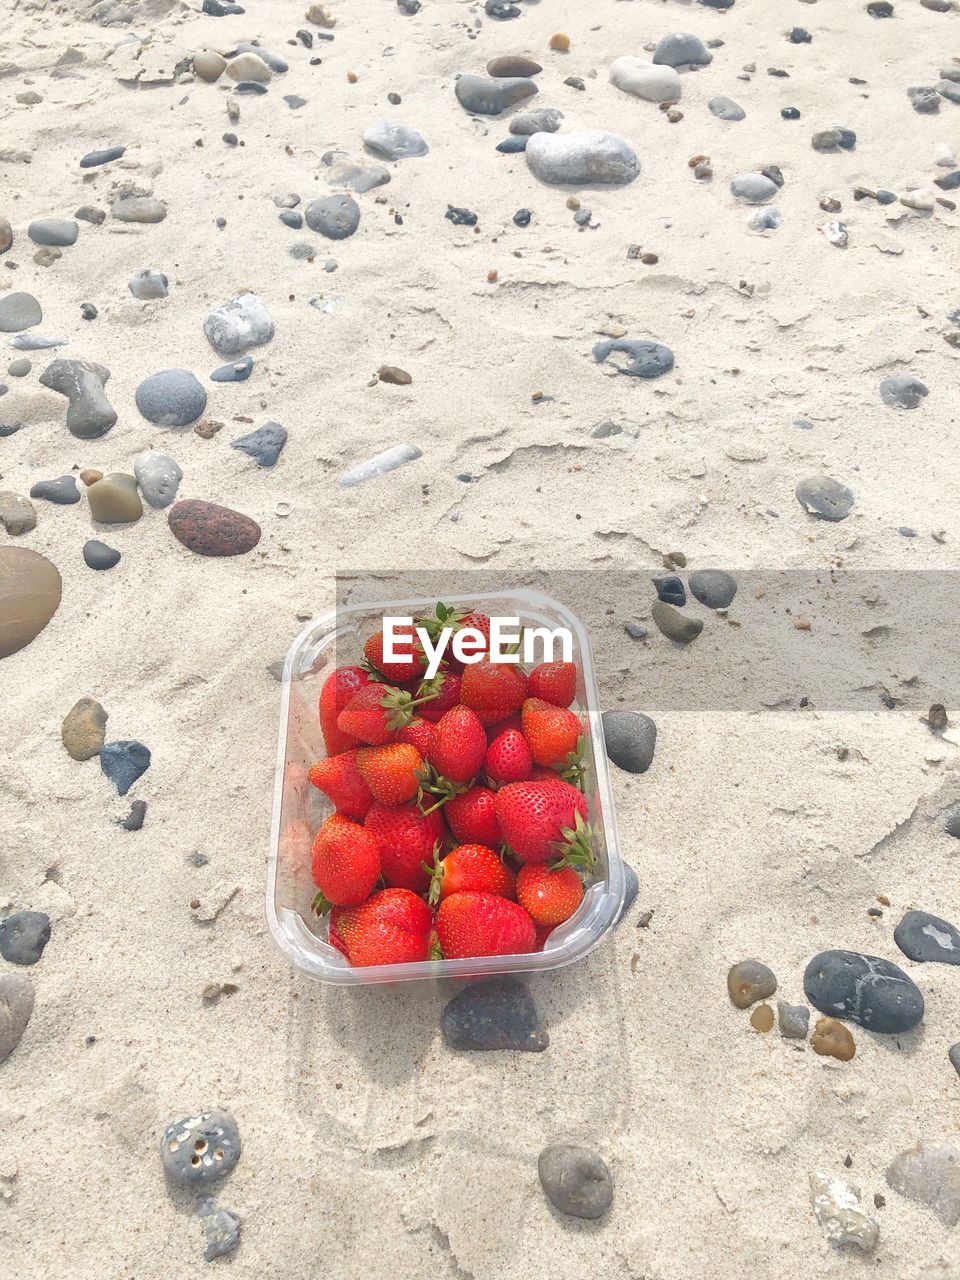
<point>432,784</point>
<point>575,847</point>
<point>321,904</point>
<point>399,705</point>
<point>574,768</point>
<point>435,871</point>
<point>443,616</point>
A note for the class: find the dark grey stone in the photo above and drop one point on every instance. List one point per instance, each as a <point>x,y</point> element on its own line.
<point>501,10</point>
<point>200,1149</point>
<point>681,49</point>
<point>670,590</point>
<point>522,217</point>
<point>902,391</point>
<point>675,625</point>
<point>171,398</point>
<point>576,1180</point>
<point>98,555</point>
<point>93,159</point>
<point>273,60</point>
<point>251,86</point>
<point>53,231</point>
<point>485,96</point>
<point>949,181</point>
<point>292,218</point>
<point>886,197</point>
<point>924,99</point>
<point>951,822</point>
<point>134,819</point>
<point>294,101</point>
<point>923,937</point>
<point>23,936</point>
<point>825,497</point>
<point>124,762</point>
<point>511,146</point>
<point>264,444</point>
<point>793,1019</point>
<point>63,491</point>
<point>644,359</point>
<point>16,1007</point>
<point>498,1013</point>
<point>240,371</point>
<point>714,588</point>
<point>336,217</point>
<point>460,217</point>
<point>89,414</point>
<point>222,1228</point>
<point>630,738</point>
<point>868,990</point>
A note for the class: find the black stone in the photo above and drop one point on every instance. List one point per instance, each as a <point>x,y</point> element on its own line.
<point>949,181</point>
<point>790,113</point>
<point>714,588</point>
<point>846,138</point>
<point>670,590</point>
<point>93,159</point>
<point>880,9</point>
<point>63,491</point>
<point>868,990</point>
<point>774,173</point>
<point>88,311</point>
<point>461,217</point>
<point>305,38</point>
<point>501,9</point>
<point>218,10</point>
<point>923,937</point>
<point>630,738</point>
<point>23,936</point>
<point>265,444</point>
<point>799,35</point>
<point>124,762</point>
<point>646,359</point>
<point>292,218</point>
<point>134,819</point>
<point>496,1014</point>
<point>98,555</point>
<point>522,217</point>
<point>513,144</point>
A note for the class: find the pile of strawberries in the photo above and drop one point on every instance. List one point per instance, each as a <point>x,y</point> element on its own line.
<point>461,795</point>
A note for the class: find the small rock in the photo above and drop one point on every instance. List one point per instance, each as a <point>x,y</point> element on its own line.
<point>868,990</point>
<point>222,1228</point>
<point>793,1019</point>
<point>89,413</point>
<point>501,10</point>
<point>17,514</point>
<point>753,188</point>
<point>83,729</point>
<point>6,234</point>
<point>925,937</point>
<point>630,738</point>
<point>358,177</point>
<point>680,49</point>
<point>953,1053</point>
<point>240,371</point>
<point>643,359</point>
<point>19,368</point>
<point>924,99</point>
<point>513,67</point>
<point>173,397</point>
<point>23,936</point>
<point>461,217</point>
<point>491,97</point>
<point>653,83</point>
<point>94,159</point>
<point>825,497</point>
<point>336,217</point>
<point>380,464</point>
<point>512,145</point>
<point>540,120</point>
<point>124,762</point>
<point>831,1039</point>
<point>249,67</point>
<point>19,311</point>
<point>158,476</point>
<point>16,1006</point>
<point>398,377</point>
<point>394,141</point>
<point>200,1149</point>
<point>498,1013</point>
<point>134,819</point>
<point>762,1019</point>
<point>675,625</point>
<point>928,1173</point>
<point>902,391</point>
<point>209,65</point>
<point>53,231</point>
<point>138,209</point>
<point>148,284</point>
<point>837,1206</point>
<point>211,530</point>
<point>115,500</point>
<point>88,213</point>
<point>576,1180</point>
<point>237,325</point>
<point>749,981</point>
<point>725,108</point>
<point>264,444</point>
<point>62,491</point>
<point>714,588</point>
<point>670,590</point>
<point>97,555</point>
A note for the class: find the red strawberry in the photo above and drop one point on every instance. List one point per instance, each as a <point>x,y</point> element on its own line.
<point>406,839</point>
<point>472,817</point>
<point>446,685</point>
<point>551,896</point>
<point>494,730</point>
<point>494,690</point>
<point>543,933</point>
<point>376,714</point>
<point>346,863</point>
<point>419,733</point>
<point>445,617</point>
<point>391,772</point>
<point>473,867</point>
<point>410,666</point>
<point>339,778</point>
<point>341,924</point>
<point>508,758</point>
<point>535,818</point>
<point>552,732</point>
<point>476,622</point>
<point>338,688</point>
<point>481,924</point>
<point>458,746</point>
<point>554,682</point>
<point>394,927</point>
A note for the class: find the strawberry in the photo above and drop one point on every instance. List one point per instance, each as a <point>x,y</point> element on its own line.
<point>407,840</point>
<point>338,688</point>
<point>551,896</point>
<point>346,863</point>
<point>419,733</point>
<point>458,746</point>
<point>544,820</point>
<point>473,867</point>
<point>456,620</point>
<point>481,924</point>
<point>554,682</point>
<point>410,666</point>
<point>495,730</point>
<point>494,690</point>
<point>472,817</point>
<point>445,685</point>
<point>341,924</point>
<point>552,732</point>
<point>394,927</point>
<point>377,713</point>
<point>508,758</point>
<point>339,778</point>
<point>543,933</point>
<point>391,772</point>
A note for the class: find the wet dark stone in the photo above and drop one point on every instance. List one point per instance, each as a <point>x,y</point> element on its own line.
<point>98,555</point>
<point>522,217</point>
<point>461,217</point>
<point>630,738</point>
<point>511,145</point>
<point>124,762</point>
<point>93,159</point>
<point>134,819</point>
<point>868,990</point>
<point>790,113</point>
<point>645,359</point>
<point>670,590</point>
<point>23,936</point>
<point>714,588</point>
<point>880,9</point>
<point>265,444</point>
<point>922,936</point>
<point>498,1013</point>
<point>63,491</point>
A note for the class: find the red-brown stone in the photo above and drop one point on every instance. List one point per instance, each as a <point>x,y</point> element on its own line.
<point>210,530</point>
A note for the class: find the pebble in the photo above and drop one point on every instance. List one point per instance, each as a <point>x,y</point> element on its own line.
<point>951,822</point>
<point>925,937</point>
<point>837,1207</point>
<point>23,936</point>
<point>953,1053</point>
<point>273,60</point>
<point>209,65</point>
<point>53,231</point>
<point>17,514</point>
<point>512,145</point>
<point>6,234</point>
<point>320,16</point>
<point>358,177</point>
<point>631,889</point>
<point>522,217</point>
<point>62,491</point>
<point>124,762</point>
<point>790,113</point>
<point>491,97</point>
<point>643,359</point>
<point>83,729</point>
<point>264,444</point>
<point>750,981</point>
<point>871,991</point>
<point>380,464</point>
<point>902,391</point>
<point>19,368</point>
<point>16,1007</point>
<point>498,1013</point>
<point>47,256</point>
<point>115,500</point>
<point>793,1019</point>
<point>653,83</point>
<point>670,590</point>
<point>513,67</point>
<point>799,35</point>
<point>753,188</point>
<point>949,89</point>
<point>36,342</point>
<point>924,99</point>
<point>501,10</point>
<point>460,217</point>
<point>540,120</point>
<point>239,371</point>
<point>928,1173</point>
<point>138,209</point>
<point>336,217</point>
<point>681,49</point>
<point>135,818</point>
<point>173,397</point>
<point>831,1039</point>
<point>675,625</point>
<point>920,201</point>
<point>725,108</point>
<point>824,497</point>
<point>89,413</point>
<point>97,555</point>
<point>294,102</point>
<point>630,738</point>
<point>582,158</point>
<point>762,1019</point>
<point>943,155</point>
<point>714,588</point>
<point>880,9</point>
<point>200,1149</point>
<point>88,213</point>
<point>576,1180</point>
<point>237,325</point>
<point>886,197</point>
<point>94,159</point>
<point>292,219</point>
<point>221,1227</point>
<point>158,476</point>
<point>148,284</point>
<point>249,67</point>
<point>949,181</point>
<point>211,530</point>
<point>19,311</point>
<point>394,141</point>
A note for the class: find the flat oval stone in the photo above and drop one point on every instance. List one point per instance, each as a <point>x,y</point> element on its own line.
<point>750,981</point>
<point>63,491</point>
<point>23,936</point>
<point>200,1149</point>
<point>148,284</point>
<point>138,209</point>
<point>643,359</point>
<point>630,738</point>
<point>641,79</point>
<point>902,391</point>
<point>83,729</point>
<point>725,108</point>
<point>394,141</point>
<point>868,990</point>
<point>265,444</point>
<point>714,588</point>
<point>114,499</point>
<point>825,497</point>
<point>540,120</point>
<point>675,625</point>
<point>30,589</point>
<point>16,1007</point>
<point>576,1180</point>
<point>209,65</point>
<point>489,97</point>
<point>53,231</point>
<point>513,66</point>
<point>19,311</point>
<point>97,555</point>
<point>336,217</point>
<point>922,936</point>
<point>240,371</point>
<point>211,530</point>
<point>244,322</point>
<point>681,49</point>
<point>158,476</point>
<point>124,762</point>
<point>94,159</point>
<point>172,398</point>
<point>753,188</point>
<point>496,1014</point>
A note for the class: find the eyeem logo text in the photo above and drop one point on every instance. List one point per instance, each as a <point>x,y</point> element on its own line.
<point>508,643</point>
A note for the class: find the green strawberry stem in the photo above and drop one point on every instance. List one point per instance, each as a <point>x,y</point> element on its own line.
<point>574,769</point>
<point>435,872</point>
<point>444,616</point>
<point>400,705</point>
<point>431,783</point>
<point>321,904</point>
<point>575,847</point>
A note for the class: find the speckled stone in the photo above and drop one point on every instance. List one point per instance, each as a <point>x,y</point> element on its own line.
<point>630,738</point>
<point>115,500</point>
<point>336,217</point>
<point>124,762</point>
<point>172,398</point>
<point>16,1007</point>
<point>158,476</point>
<point>576,1180</point>
<point>211,530</point>
<point>134,819</point>
<point>714,588</point>
<point>23,936</point>
<point>238,325</point>
<point>868,990</point>
<point>17,514</point>
<point>221,1228</point>
<point>749,981</point>
<point>200,1149</point>
<point>540,120</point>
<point>83,729</point>
<point>824,497</point>
<point>498,1013</point>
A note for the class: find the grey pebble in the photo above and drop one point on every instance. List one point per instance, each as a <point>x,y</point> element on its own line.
<point>714,588</point>
<point>886,197</point>
<point>171,398</point>
<point>292,218</point>
<point>221,1226</point>
<point>924,99</point>
<point>53,231</point>
<point>630,738</point>
<point>949,89</point>
<point>576,1180</point>
<point>394,141</point>
<point>273,60</point>
<point>89,414</point>
<point>488,97</point>
<point>924,937</point>
<point>36,342</point>
<point>158,476</point>
<point>148,284</point>
<point>498,1013</point>
<point>949,181</point>
<point>581,158</point>
<point>239,371</point>
<point>512,146</point>
<point>634,631</point>
<point>753,188</point>
<point>669,589</point>
<point>19,368</point>
<point>644,359</point>
<point>93,159</point>
<point>124,762</point>
<point>793,1020</point>
<point>358,177</point>
<point>902,391</point>
<point>97,555</point>
<point>62,491</point>
<point>825,497</point>
<point>725,108</point>
<point>953,1053</point>
<point>264,444</point>
<point>951,823</point>
<point>288,201</point>
<point>294,102</point>
<point>251,86</point>
<point>23,936</point>
<point>237,325</point>
<point>200,1149</point>
<point>681,49</point>
<point>17,514</point>
<point>540,120</point>
<point>138,209</point>
<point>16,1007</point>
<point>134,819</point>
<point>90,213</point>
<point>19,311</point>
<point>336,217</point>
<point>868,990</point>
<point>675,625</point>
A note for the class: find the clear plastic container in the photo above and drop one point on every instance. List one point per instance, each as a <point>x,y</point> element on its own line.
<point>299,808</point>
